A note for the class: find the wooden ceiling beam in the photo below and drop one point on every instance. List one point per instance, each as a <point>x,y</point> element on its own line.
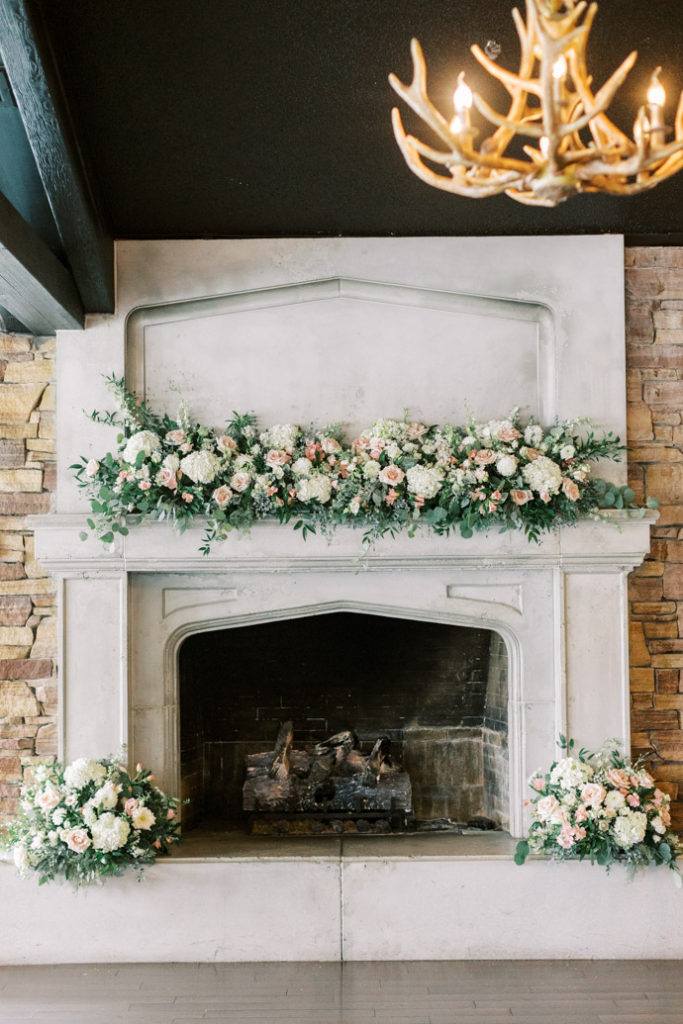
<point>88,247</point>
<point>34,286</point>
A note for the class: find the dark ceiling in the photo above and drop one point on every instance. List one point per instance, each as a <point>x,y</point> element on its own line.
<point>213,118</point>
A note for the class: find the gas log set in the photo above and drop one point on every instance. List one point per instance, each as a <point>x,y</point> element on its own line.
<point>333,788</point>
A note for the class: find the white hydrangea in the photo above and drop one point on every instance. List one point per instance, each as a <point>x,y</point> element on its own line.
<point>387,430</point>
<point>301,467</point>
<point>282,435</point>
<point>424,481</point>
<point>371,470</point>
<point>314,488</point>
<point>629,828</point>
<point>506,465</point>
<point>570,773</point>
<point>144,441</point>
<point>201,467</point>
<point>109,832</point>
<point>543,475</point>
<point>82,771</point>
<point>106,797</point>
<point>533,435</point>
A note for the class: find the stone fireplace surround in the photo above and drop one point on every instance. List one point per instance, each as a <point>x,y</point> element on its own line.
<point>344,329</point>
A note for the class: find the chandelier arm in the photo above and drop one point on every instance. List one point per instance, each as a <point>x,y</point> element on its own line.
<point>510,80</point>
<point>439,181</point>
<point>601,127</point>
<point>528,198</point>
<point>516,127</point>
<point>561,23</point>
<point>415,95</point>
<point>604,96</point>
<point>502,137</point>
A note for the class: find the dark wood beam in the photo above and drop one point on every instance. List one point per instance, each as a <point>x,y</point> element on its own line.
<point>34,286</point>
<point>88,248</point>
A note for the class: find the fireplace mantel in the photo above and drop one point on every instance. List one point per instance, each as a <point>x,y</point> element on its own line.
<point>614,542</point>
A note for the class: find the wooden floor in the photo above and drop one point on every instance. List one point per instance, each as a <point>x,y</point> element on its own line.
<point>503,992</point>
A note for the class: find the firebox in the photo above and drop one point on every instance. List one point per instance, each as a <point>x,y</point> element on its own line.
<point>434,693</point>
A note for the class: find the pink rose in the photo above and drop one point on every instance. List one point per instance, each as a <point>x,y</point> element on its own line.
<point>544,496</point>
<point>144,485</point>
<point>618,778</point>
<point>507,434</point>
<point>484,457</point>
<point>581,813</point>
<point>593,794</point>
<point>222,495</point>
<point>330,445</point>
<point>47,799</point>
<point>392,475</point>
<point>570,489</point>
<point>415,430</point>
<point>521,497</point>
<point>538,784</point>
<point>225,443</point>
<point>77,839</point>
<point>277,457</point>
<point>167,478</point>
<point>130,805</point>
<point>240,481</point>
<point>633,800</point>
<point>176,436</point>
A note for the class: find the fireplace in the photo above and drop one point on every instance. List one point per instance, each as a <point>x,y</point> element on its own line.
<point>437,692</point>
<point>349,329</point>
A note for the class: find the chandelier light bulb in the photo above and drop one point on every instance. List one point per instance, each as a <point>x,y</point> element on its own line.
<point>544,146</point>
<point>462,97</point>
<point>656,94</point>
<point>560,68</point>
<point>457,125</point>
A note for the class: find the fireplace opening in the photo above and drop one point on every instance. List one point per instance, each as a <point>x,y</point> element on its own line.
<point>437,692</point>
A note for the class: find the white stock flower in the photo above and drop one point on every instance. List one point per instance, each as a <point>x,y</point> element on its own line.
<point>144,441</point>
<point>506,465</point>
<point>201,467</point>
<point>543,475</point>
<point>629,828</point>
<point>82,771</point>
<point>424,481</point>
<point>109,832</point>
<point>314,488</point>
<point>302,467</point>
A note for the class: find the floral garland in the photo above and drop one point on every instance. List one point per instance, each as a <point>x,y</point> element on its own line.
<point>90,820</point>
<point>603,807</point>
<point>394,476</point>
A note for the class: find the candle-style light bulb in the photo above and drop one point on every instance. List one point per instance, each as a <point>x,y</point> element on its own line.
<point>656,94</point>
<point>544,146</point>
<point>462,97</point>
<point>656,98</point>
<point>457,125</point>
<point>560,68</point>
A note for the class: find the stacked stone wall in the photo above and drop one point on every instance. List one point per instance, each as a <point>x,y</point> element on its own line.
<point>654,354</point>
<point>28,622</point>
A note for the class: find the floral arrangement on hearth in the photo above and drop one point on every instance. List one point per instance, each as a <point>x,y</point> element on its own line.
<point>602,807</point>
<point>90,820</point>
<point>394,476</point>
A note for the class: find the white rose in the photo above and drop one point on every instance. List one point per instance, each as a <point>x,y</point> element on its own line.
<point>302,467</point>
<point>144,441</point>
<point>506,465</point>
<point>240,481</point>
<point>172,463</point>
<point>109,832</point>
<point>568,451</point>
<point>546,808</point>
<point>91,467</point>
<point>47,799</point>
<point>201,467</point>
<point>615,800</point>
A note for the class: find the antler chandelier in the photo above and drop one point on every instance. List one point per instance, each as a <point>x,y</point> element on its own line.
<point>573,146</point>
